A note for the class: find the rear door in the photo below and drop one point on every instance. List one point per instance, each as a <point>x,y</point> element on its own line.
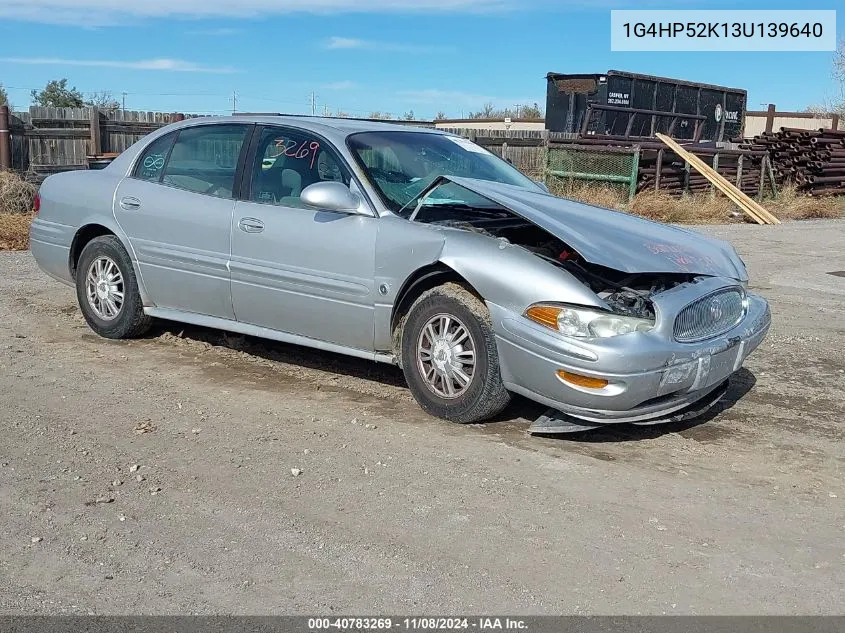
<point>176,209</point>
<point>298,269</point>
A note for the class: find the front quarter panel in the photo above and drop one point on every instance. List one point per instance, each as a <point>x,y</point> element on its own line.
<point>503,274</point>
<point>511,276</point>
<point>402,248</point>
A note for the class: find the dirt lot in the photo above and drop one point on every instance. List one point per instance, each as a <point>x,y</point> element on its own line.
<point>393,511</point>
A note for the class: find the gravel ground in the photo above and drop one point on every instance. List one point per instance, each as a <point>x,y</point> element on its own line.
<point>197,472</point>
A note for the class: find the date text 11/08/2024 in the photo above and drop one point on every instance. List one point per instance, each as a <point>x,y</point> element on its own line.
<point>417,624</point>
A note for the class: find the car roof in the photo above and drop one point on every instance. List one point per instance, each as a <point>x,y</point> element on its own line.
<point>331,125</point>
<point>334,129</point>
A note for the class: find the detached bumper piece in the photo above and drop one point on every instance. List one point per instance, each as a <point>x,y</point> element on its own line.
<point>554,422</point>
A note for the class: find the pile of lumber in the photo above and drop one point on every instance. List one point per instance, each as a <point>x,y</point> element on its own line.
<point>812,160</point>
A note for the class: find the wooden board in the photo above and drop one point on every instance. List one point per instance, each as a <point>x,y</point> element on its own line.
<point>751,208</point>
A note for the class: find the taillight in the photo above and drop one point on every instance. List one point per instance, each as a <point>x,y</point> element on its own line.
<point>36,206</point>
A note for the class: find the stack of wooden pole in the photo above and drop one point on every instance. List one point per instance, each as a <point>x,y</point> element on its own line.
<point>812,160</point>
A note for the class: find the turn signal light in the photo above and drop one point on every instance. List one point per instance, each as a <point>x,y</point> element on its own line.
<point>582,381</point>
<point>544,315</point>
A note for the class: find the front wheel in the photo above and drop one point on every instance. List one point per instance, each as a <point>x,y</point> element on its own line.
<point>449,356</point>
<point>107,290</point>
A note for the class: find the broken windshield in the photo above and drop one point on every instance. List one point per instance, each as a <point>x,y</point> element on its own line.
<point>401,164</point>
<point>450,201</point>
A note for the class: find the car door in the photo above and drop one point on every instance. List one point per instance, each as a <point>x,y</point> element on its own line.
<point>297,269</point>
<point>176,209</point>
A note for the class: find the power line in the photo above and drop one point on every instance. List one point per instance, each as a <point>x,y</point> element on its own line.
<point>271,100</point>
<point>235,97</point>
<point>168,94</point>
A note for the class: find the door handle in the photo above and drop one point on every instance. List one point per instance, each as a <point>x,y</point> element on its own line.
<point>129,203</point>
<point>251,225</point>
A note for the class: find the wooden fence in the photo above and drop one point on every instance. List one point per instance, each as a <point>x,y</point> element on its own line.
<point>772,119</point>
<point>49,140</point>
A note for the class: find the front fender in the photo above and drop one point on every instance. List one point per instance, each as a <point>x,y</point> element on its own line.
<point>502,273</point>
<point>511,276</point>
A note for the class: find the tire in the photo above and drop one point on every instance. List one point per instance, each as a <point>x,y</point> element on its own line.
<point>128,320</point>
<point>429,359</point>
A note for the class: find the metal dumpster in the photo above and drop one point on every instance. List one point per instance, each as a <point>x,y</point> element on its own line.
<point>620,103</point>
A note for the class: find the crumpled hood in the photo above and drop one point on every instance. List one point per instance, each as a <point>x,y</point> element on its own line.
<point>613,239</point>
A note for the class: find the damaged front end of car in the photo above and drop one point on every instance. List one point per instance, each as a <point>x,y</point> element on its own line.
<point>667,322</point>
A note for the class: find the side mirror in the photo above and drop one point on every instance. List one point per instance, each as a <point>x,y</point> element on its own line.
<point>330,196</point>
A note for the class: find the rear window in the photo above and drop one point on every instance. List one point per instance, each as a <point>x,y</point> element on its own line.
<point>151,164</point>
<point>204,159</point>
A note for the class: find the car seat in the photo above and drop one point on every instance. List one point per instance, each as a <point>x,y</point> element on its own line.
<point>291,183</point>
<point>284,181</point>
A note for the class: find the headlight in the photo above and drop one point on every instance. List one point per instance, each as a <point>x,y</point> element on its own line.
<point>586,322</point>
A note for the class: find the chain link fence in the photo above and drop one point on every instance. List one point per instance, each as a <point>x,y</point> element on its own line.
<point>570,167</point>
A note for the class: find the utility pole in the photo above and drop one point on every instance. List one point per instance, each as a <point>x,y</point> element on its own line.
<point>313,103</point>
<point>234,101</point>
<point>123,104</point>
<point>517,111</point>
<point>325,109</point>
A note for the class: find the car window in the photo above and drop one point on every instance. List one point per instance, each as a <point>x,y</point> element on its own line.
<point>151,164</point>
<point>204,159</point>
<point>287,161</point>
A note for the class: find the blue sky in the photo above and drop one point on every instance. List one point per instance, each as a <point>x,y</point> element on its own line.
<point>363,55</point>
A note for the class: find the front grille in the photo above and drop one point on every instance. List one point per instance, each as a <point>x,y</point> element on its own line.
<point>710,316</point>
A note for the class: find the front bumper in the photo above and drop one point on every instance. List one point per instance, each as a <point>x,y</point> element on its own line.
<point>650,375</point>
<point>553,422</point>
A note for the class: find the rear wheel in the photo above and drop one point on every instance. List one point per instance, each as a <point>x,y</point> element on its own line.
<point>107,290</point>
<point>449,356</point>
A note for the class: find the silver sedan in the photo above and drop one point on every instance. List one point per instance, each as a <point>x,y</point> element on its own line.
<point>405,246</point>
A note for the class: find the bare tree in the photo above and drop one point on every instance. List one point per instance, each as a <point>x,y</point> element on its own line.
<point>4,97</point>
<point>531,111</point>
<point>526,111</point>
<point>835,104</point>
<point>441,116</point>
<point>487,112</point>
<point>103,100</point>
<point>839,74</point>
